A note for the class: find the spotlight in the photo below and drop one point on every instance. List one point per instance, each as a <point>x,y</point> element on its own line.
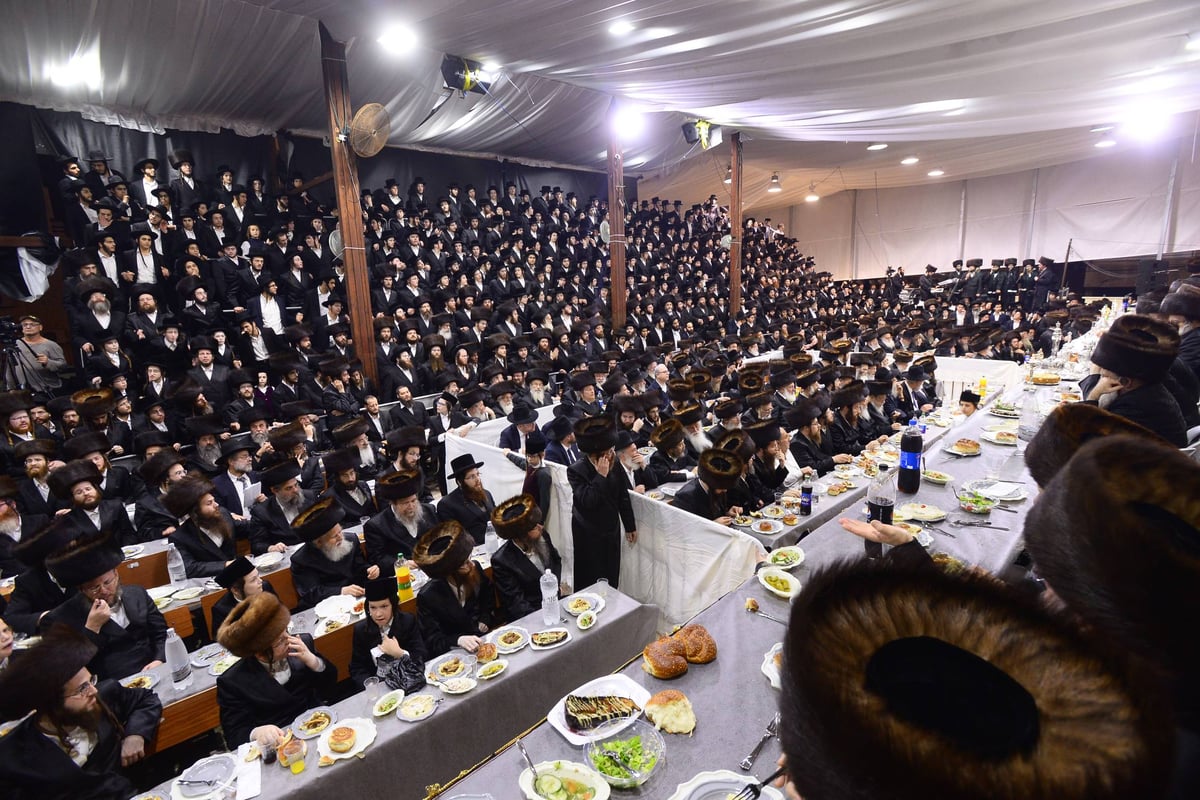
<point>775,186</point>
<point>702,131</point>
<point>908,162</point>
<point>936,173</point>
<point>621,27</point>
<point>877,146</point>
<point>729,174</point>
<point>812,195</point>
<point>628,122</point>
<point>464,75</point>
<point>398,38</point>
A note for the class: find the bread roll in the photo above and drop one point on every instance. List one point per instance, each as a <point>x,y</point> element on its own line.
<point>486,653</point>
<point>341,739</point>
<point>671,711</point>
<point>700,646</point>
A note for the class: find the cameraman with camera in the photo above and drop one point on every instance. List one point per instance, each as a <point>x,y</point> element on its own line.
<point>32,360</point>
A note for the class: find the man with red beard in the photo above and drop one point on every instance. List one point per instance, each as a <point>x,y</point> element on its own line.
<point>205,538</point>
<point>79,733</point>
<point>13,527</point>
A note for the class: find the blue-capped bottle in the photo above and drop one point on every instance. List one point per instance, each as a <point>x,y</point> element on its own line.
<point>912,444</point>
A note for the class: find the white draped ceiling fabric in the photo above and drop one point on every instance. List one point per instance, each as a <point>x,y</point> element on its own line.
<point>977,89</point>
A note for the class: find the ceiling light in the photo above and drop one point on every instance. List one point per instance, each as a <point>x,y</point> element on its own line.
<point>628,122</point>
<point>812,195</point>
<point>1147,121</point>
<point>775,186</point>
<point>399,38</point>
<point>877,146</point>
<point>908,162</point>
<point>81,70</point>
<point>621,27</point>
<point>1106,142</point>
<point>729,175</point>
<point>1193,43</point>
<point>936,173</point>
<point>1102,128</point>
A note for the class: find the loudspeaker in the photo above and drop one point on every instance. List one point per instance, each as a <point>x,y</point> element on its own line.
<point>690,134</point>
<point>1152,275</point>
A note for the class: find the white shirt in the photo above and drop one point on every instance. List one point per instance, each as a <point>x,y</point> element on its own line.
<point>110,266</point>
<point>271,316</point>
<point>81,743</point>
<point>213,536</point>
<point>94,516</point>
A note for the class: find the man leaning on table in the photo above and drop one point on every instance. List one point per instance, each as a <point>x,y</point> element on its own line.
<point>330,562</point>
<point>78,733</point>
<point>205,536</point>
<point>279,676</point>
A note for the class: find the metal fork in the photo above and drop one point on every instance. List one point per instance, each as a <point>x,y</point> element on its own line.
<point>752,790</point>
<point>748,761</point>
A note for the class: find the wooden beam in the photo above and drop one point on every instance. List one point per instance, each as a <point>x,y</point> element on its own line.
<point>304,187</point>
<point>735,224</point>
<point>345,179</point>
<point>20,241</point>
<point>616,221</point>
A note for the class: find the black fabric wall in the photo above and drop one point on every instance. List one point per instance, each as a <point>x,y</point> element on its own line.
<point>21,206</point>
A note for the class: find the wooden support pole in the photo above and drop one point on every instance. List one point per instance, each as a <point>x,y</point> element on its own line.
<point>616,221</point>
<point>735,224</point>
<point>345,179</point>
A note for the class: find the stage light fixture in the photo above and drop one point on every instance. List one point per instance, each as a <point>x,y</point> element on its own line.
<point>729,175</point>
<point>464,75</point>
<point>936,173</point>
<point>775,187</point>
<point>877,146</point>
<point>812,195</point>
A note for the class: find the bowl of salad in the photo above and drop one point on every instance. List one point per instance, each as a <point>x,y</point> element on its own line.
<point>975,503</point>
<point>639,746</point>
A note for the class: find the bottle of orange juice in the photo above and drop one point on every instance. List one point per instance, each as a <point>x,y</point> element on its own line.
<point>403,579</point>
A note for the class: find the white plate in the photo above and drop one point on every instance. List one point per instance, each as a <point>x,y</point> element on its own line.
<point>333,606</point>
<point>559,643</point>
<point>159,592</point>
<point>267,560</point>
<point>1001,426</point>
<point>768,666</point>
<point>188,593</point>
<point>993,437</point>
<point>162,603</point>
<point>466,660</point>
<point>996,490</point>
<point>853,486</point>
<point>479,669</point>
<point>150,675</point>
<point>647,451</point>
<point>774,511</point>
<point>996,412</point>
<point>953,450</point>
<point>302,734</point>
<point>586,621</point>
<point>221,665</point>
<point>719,785</point>
<point>794,552</point>
<point>206,656</point>
<point>566,769</point>
<point>220,768</point>
<point>920,512</point>
<point>936,481</point>
<point>595,603</point>
<point>792,580</point>
<point>133,550</point>
<point>494,638</point>
<point>847,471</point>
<point>365,729</point>
<point>775,526</point>
<point>458,685</point>
<point>619,685</point>
<point>414,700</point>
<point>398,694</point>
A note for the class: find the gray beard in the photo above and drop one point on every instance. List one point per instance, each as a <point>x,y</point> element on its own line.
<point>366,455</point>
<point>209,455</point>
<point>339,551</point>
<point>291,507</point>
<point>699,441</point>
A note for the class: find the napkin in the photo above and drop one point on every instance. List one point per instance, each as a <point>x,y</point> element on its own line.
<point>249,774</point>
<point>1001,490</point>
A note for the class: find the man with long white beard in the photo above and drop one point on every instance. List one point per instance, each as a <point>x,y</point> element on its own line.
<point>159,472</point>
<point>503,393</point>
<point>353,495</point>
<point>728,412</point>
<point>784,397</point>
<point>205,538</point>
<point>394,531</point>
<point>691,417</point>
<point>330,563</point>
<point>271,521</point>
<point>537,382</point>
<point>98,727</point>
<point>353,435</point>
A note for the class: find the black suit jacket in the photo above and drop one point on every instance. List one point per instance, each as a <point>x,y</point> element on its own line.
<point>602,506</point>
<point>443,619</point>
<point>269,526</point>
<point>517,579</point>
<point>385,536</point>
<point>30,500</point>
<point>201,557</point>
<point>316,577</point>
<point>404,628</point>
<point>34,593</point>
<point>693,498</point>
<point>113,519</point>
<point>248,696</point>
<point>122,651</point>
<point>473,518</point>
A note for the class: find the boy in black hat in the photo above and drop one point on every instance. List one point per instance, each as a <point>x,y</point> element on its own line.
<point>388,643</point>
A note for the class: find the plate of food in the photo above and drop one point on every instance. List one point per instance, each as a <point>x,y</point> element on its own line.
<point>509,639</point>
<point>1003,491</point>
<point>786,557</point>
<point>1070,396</point>
<point>314,722</point>
<point>585,620</point>
<point>773,511</point>
<point>655,495</point>
<point>133,550</point>
<point>720,785</point>
<point>964,447</point>
<point>790,520</point>
<point>640,748</point>
<point>939,478</point>
<point>205,656</point>
<point>387,703</point>
<point>1000,437</point>
<point>767,526</point>
<point>743,520</point>
<point>162,591</point>
<point>647,451</point>
<point>1006,410</point>
<point>336,605</point>
<point>948,562</point>
<point>188,593</point>
<point>772,664</point>
<point>921,512</point>
<point>162,602</point>
<point>563,780</point>
<point>918,533</point>
<point>347,739</point>
<point>333,623</point>
<point>580,602</point>
<point>779,582</point>
<point>975,503</point>
<point>417,707</point>
<point>267,560</point>
<point>221,665</point>
<point>458,685</point>
<point>142,680</point>
<point>451,665</point>
<point>549,638</point>
<point>598,709</point>
<point>847,471</point>
<point>1045,379</point>
<point>839,487</point>
<point>208,777</point>
<point>491,669</point>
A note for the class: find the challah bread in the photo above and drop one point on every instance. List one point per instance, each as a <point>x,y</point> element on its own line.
<point>701,647</point>
<point>665,658</point>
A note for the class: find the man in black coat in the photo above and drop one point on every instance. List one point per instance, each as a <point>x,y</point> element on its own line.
<point>518,566</point>
<point>812,445</point>
<point>602,506</point>
<point>330,563</point>
<point>370,649</point>
<point>707,495</point>
<point>52,681</point>
<point>353,495</point>
<point>35,593</point>
<point>122,621</point>
<point>394,531</point>
<point>78,485</point>
<point>469,504</point>
<point>271,520</point>
<point>116,483</point>
<point>206,537</point>
<point>14,526</point>
<point>160,472</point>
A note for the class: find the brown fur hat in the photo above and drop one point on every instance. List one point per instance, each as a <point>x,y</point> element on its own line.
<point>1067,428</point>
<point>720,469</point>
<point>83,444</point>
<point>667,434</point>
<point>689,414</point>
<point>398,485</point>
<point>253,625</point>
<point>1183,302</point>
<point>14,401</point>
<point>50,538</point>
<point>181,500</point>
<point>516,516</point>
<point>285,437</point>
<point>63,479</point>
<point>1137,347</point>
<point>318,519</point>
<point>443,548</point>
<point>680,390</point>
<point>37,679</point>
<point>595,434</point>
<point>1116,534</point>
<point>93,402</point>
<point>954,687</point>
<point>737,441</point>
<point>84,558</point>
<point>154,469</point>
<point>349,431</point>
<point>339,461</point>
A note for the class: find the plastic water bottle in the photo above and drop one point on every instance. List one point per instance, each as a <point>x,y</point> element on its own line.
<point>881,502</point>
<point>177,659</point>
<point>491,542</point>
<point>1031,419</point>
<point>175,568</point>
<point>912,444</point>
<point>549,585</point>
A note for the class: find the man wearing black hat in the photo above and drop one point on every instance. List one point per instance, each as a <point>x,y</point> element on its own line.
<point>121,621</point>
<point>813,446</point>
<point>240,579</point>
<point>601,505</point>
<point>524,422</point>
<point>159,473</point>
<point>205,538</point>
<point>78,484</point>
<point>232,483</point>
<point>271,520</point>
<point>913,400</point>
<point>354,495</point>
<point>469,504</point>
<point>708,494</point>
<point>393,532</point>
<point>143,187</point>
<point>79,734</point>
<point>330,563</point>
<point>33,495</point>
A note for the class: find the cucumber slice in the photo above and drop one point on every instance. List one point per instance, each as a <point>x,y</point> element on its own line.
<point>547,785</point>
